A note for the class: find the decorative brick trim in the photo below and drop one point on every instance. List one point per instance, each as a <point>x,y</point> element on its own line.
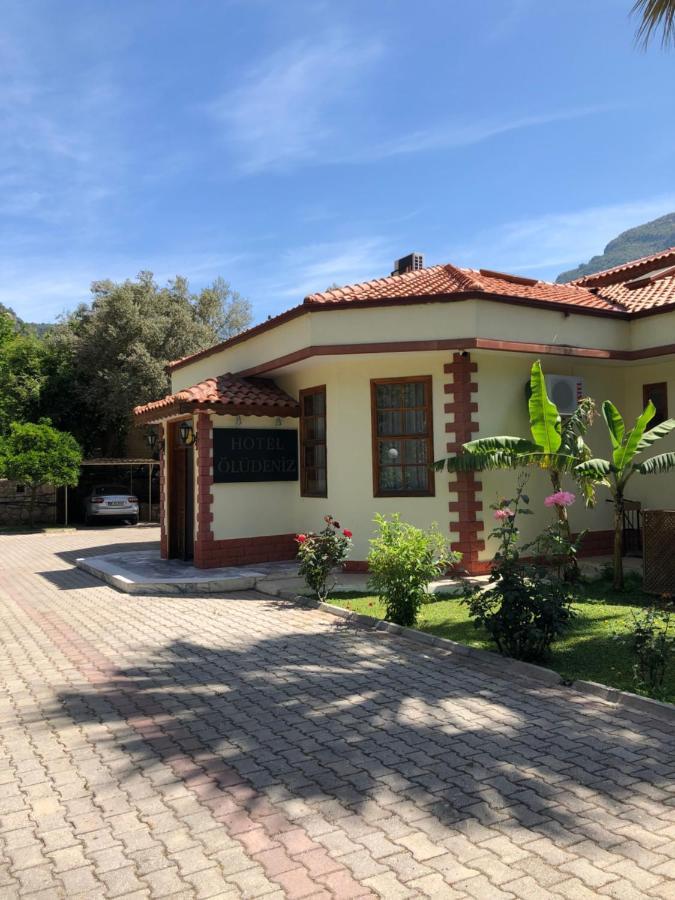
<point>465,486</point>
<point>163,487</point>
<point>204,540</point>
<point>246,551</point>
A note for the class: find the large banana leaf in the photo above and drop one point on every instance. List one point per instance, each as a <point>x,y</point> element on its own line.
<point>501,442</point>
<point>594,468</point>
<point>624,454</point>
<point>544,416</point>
<point>657,465</point>
<point>655,433</point>
<point>479,462</point>
<point>615,424</point>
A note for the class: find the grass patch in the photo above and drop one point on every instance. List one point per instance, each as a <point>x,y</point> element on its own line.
<point>589,650</point>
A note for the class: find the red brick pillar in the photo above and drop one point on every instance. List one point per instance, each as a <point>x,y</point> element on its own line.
<point>163,487</point>
<point>204,534</point>
<point>465,485</point>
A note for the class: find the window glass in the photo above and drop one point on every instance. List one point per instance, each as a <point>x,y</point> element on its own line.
<point>402,432</point>
<point>313,464</point>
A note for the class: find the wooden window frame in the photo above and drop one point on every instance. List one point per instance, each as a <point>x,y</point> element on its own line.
<point>648,389</point>
<point>427,380</point>
<point>305,392</point>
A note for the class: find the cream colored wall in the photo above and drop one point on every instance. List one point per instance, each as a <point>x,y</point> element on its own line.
<point>253,509</point>
<point>348,422</point>
<point>430,321</point>
<point>652,331</point>
<point>502,410</point>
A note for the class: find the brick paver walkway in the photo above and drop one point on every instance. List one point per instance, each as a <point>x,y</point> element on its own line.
<point>243,747</point>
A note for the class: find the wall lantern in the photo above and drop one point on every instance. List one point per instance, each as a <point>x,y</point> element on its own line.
<point>151,438</point>
<point>187,434</point>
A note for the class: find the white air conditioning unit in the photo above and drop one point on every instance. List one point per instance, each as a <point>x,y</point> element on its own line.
<point>565,391</point>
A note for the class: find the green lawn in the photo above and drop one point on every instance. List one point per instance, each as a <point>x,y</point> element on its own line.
<point>588,651</point>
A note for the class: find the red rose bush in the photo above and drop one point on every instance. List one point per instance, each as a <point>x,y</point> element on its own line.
<point>322,554</point>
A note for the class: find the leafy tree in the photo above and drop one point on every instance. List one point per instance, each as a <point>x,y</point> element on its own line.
<point>36,455</point>
<point>109,356</point>
<point>615,473</point>
<point>21,371</point>
<point>656,14</point>
<point>554,445</point>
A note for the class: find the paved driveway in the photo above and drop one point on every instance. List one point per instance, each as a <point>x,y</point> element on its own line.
<point>242,747</point>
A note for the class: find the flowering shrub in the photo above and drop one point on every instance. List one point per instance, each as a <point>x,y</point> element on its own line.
<point>321,554</point>
<point>560,498</point>
<point>403,560</point>
<point>525,609</point>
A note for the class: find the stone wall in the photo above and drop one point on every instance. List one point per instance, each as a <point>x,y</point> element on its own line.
<point>15,504</point>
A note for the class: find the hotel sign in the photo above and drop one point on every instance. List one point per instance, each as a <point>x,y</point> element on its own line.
<point>255,454</point>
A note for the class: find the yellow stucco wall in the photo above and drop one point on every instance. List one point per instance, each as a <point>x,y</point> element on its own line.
<point>259,509</point>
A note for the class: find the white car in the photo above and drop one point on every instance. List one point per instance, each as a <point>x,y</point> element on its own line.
<point>105,502</point>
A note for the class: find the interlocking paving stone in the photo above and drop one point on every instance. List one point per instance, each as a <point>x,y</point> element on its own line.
<point>244,747</point>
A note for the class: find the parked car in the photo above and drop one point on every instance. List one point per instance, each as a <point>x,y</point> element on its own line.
<point>110,501</point>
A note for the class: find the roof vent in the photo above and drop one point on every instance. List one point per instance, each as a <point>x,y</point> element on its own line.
<point>410,263</point>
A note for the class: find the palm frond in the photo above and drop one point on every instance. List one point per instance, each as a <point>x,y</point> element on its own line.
<point>656,465</point>
<point>655,14</point>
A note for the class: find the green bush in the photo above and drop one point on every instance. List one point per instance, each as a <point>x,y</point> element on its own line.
<point>403,560</point>
<point>653,645</point>
<point>526,607</point>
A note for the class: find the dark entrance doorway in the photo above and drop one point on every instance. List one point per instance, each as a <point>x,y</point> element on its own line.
<point>181,496</point>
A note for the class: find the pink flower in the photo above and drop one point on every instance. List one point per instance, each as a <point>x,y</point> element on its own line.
<point>301,538</point>
<point>347,533</point>
<point>502,514</point>
<point>560,498</point>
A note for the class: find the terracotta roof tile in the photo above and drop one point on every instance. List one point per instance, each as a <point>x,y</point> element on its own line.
<point>228,391</point>
<point>448,279</point>
<point>624,290</point>
<point>629,270</point>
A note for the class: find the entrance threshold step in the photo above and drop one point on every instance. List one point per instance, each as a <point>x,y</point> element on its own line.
<point>145,572</point>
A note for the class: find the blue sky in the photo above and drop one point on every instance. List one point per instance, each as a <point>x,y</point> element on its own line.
<point>290,144</point>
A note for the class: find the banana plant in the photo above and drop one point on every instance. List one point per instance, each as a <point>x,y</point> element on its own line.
<point>617,471</point>
<point>554,445</point>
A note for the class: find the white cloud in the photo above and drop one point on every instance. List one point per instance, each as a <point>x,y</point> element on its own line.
<point>282,113</point>
<point>459,134</point>
<point>548,243</point>
<point>310,268</point>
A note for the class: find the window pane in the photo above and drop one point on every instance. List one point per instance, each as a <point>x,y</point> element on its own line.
<point>391,478</point>
<point>415,422</point>
<point>388,396</point>
<point>315,456</point>
<point>415,451</point>
<point>316,481</point>
<point>391,452</point>
<point>389,423</point>
<point>413,394</point>
<point>416,478</point>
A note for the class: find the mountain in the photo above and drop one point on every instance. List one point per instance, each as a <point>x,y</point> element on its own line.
<point>40,328</point>
<point>640,241</point>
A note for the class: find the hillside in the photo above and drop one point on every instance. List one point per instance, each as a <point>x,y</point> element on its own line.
<point>40,328</point>
<point>640,241</point>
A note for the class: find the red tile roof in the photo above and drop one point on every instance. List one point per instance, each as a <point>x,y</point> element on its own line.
<point>446,280</point>
<point>229,393</point>
<point>638,287</point>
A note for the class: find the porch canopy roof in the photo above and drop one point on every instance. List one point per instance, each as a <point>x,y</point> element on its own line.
<point>225,395</point>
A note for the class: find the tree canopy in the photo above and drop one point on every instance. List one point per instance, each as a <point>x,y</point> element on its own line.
<point>37,454</point>
<point>109,356</point>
